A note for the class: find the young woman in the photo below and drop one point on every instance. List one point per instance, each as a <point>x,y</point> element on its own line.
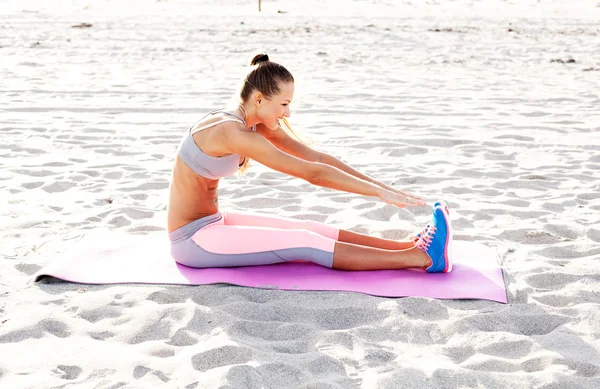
<point>223,141</point>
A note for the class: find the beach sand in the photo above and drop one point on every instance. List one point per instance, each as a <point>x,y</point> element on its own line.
<point>492,106</point>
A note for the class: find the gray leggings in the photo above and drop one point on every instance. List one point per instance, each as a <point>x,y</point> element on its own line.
<point>247,239</point>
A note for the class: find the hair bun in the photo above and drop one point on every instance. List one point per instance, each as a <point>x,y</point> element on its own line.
<point>258,58</point>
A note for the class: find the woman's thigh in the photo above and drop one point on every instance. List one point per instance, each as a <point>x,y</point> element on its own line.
<point>220,245</point>
<point>234,218</point>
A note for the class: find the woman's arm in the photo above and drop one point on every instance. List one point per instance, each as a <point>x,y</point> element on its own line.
<point>333,161</point>
<point>283,141</point>
<point>256,147</point>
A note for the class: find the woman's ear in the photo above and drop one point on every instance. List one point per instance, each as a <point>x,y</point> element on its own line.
<point>258,98</point>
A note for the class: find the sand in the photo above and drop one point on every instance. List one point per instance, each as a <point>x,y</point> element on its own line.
<point>492,106</point>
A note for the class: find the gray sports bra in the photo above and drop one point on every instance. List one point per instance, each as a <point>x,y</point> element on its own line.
<point>203,164</point>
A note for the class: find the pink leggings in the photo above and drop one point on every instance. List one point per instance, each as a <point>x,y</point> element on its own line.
<point>248,239</point>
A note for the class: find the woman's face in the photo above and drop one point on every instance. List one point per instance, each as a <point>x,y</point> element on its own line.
<point>276,107</point>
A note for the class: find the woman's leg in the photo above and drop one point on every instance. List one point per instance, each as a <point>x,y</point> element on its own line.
<point>260,220</point>
<point>220,245</point>
<point>349,256</point>
<point>372,241</point>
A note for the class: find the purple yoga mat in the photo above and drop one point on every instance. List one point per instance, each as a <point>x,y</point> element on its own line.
<point>113,258</point>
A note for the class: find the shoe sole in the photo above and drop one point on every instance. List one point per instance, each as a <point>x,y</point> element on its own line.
<point>448,246</point>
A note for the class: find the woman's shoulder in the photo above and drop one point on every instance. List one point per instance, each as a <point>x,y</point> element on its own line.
<point>212,134</point>
<point>217,120</point>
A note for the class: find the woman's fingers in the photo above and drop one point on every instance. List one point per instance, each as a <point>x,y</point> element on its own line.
<point>401,199</point>
<point>412,199</point>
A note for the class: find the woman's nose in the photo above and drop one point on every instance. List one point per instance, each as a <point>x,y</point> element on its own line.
<point>287,111</point>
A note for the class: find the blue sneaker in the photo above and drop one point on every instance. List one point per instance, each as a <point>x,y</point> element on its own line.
<point>436,242</point>
<point>441,203</point>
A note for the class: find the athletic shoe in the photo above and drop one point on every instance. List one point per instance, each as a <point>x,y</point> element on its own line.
<point>436,242</point>
<point>441,203</point>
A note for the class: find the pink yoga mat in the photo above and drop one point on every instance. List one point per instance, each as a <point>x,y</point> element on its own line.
<point>113,258</point>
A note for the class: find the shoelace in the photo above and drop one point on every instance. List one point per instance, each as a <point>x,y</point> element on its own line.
<point>426,238</point>
<point>420,234</point>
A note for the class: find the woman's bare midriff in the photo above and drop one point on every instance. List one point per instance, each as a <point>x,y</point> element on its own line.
<point>191,196</point>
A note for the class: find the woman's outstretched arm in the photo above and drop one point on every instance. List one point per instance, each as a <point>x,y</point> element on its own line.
<point>333,161</point>
<point>282,140</point>
<point>256,147</point>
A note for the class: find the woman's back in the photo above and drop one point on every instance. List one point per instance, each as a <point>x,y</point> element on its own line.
<point>199,165</point>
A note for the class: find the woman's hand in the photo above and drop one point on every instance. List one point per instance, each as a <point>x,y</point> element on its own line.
<point>399,198</point>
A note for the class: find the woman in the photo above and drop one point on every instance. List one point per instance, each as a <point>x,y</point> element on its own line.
<point>223,141</point>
